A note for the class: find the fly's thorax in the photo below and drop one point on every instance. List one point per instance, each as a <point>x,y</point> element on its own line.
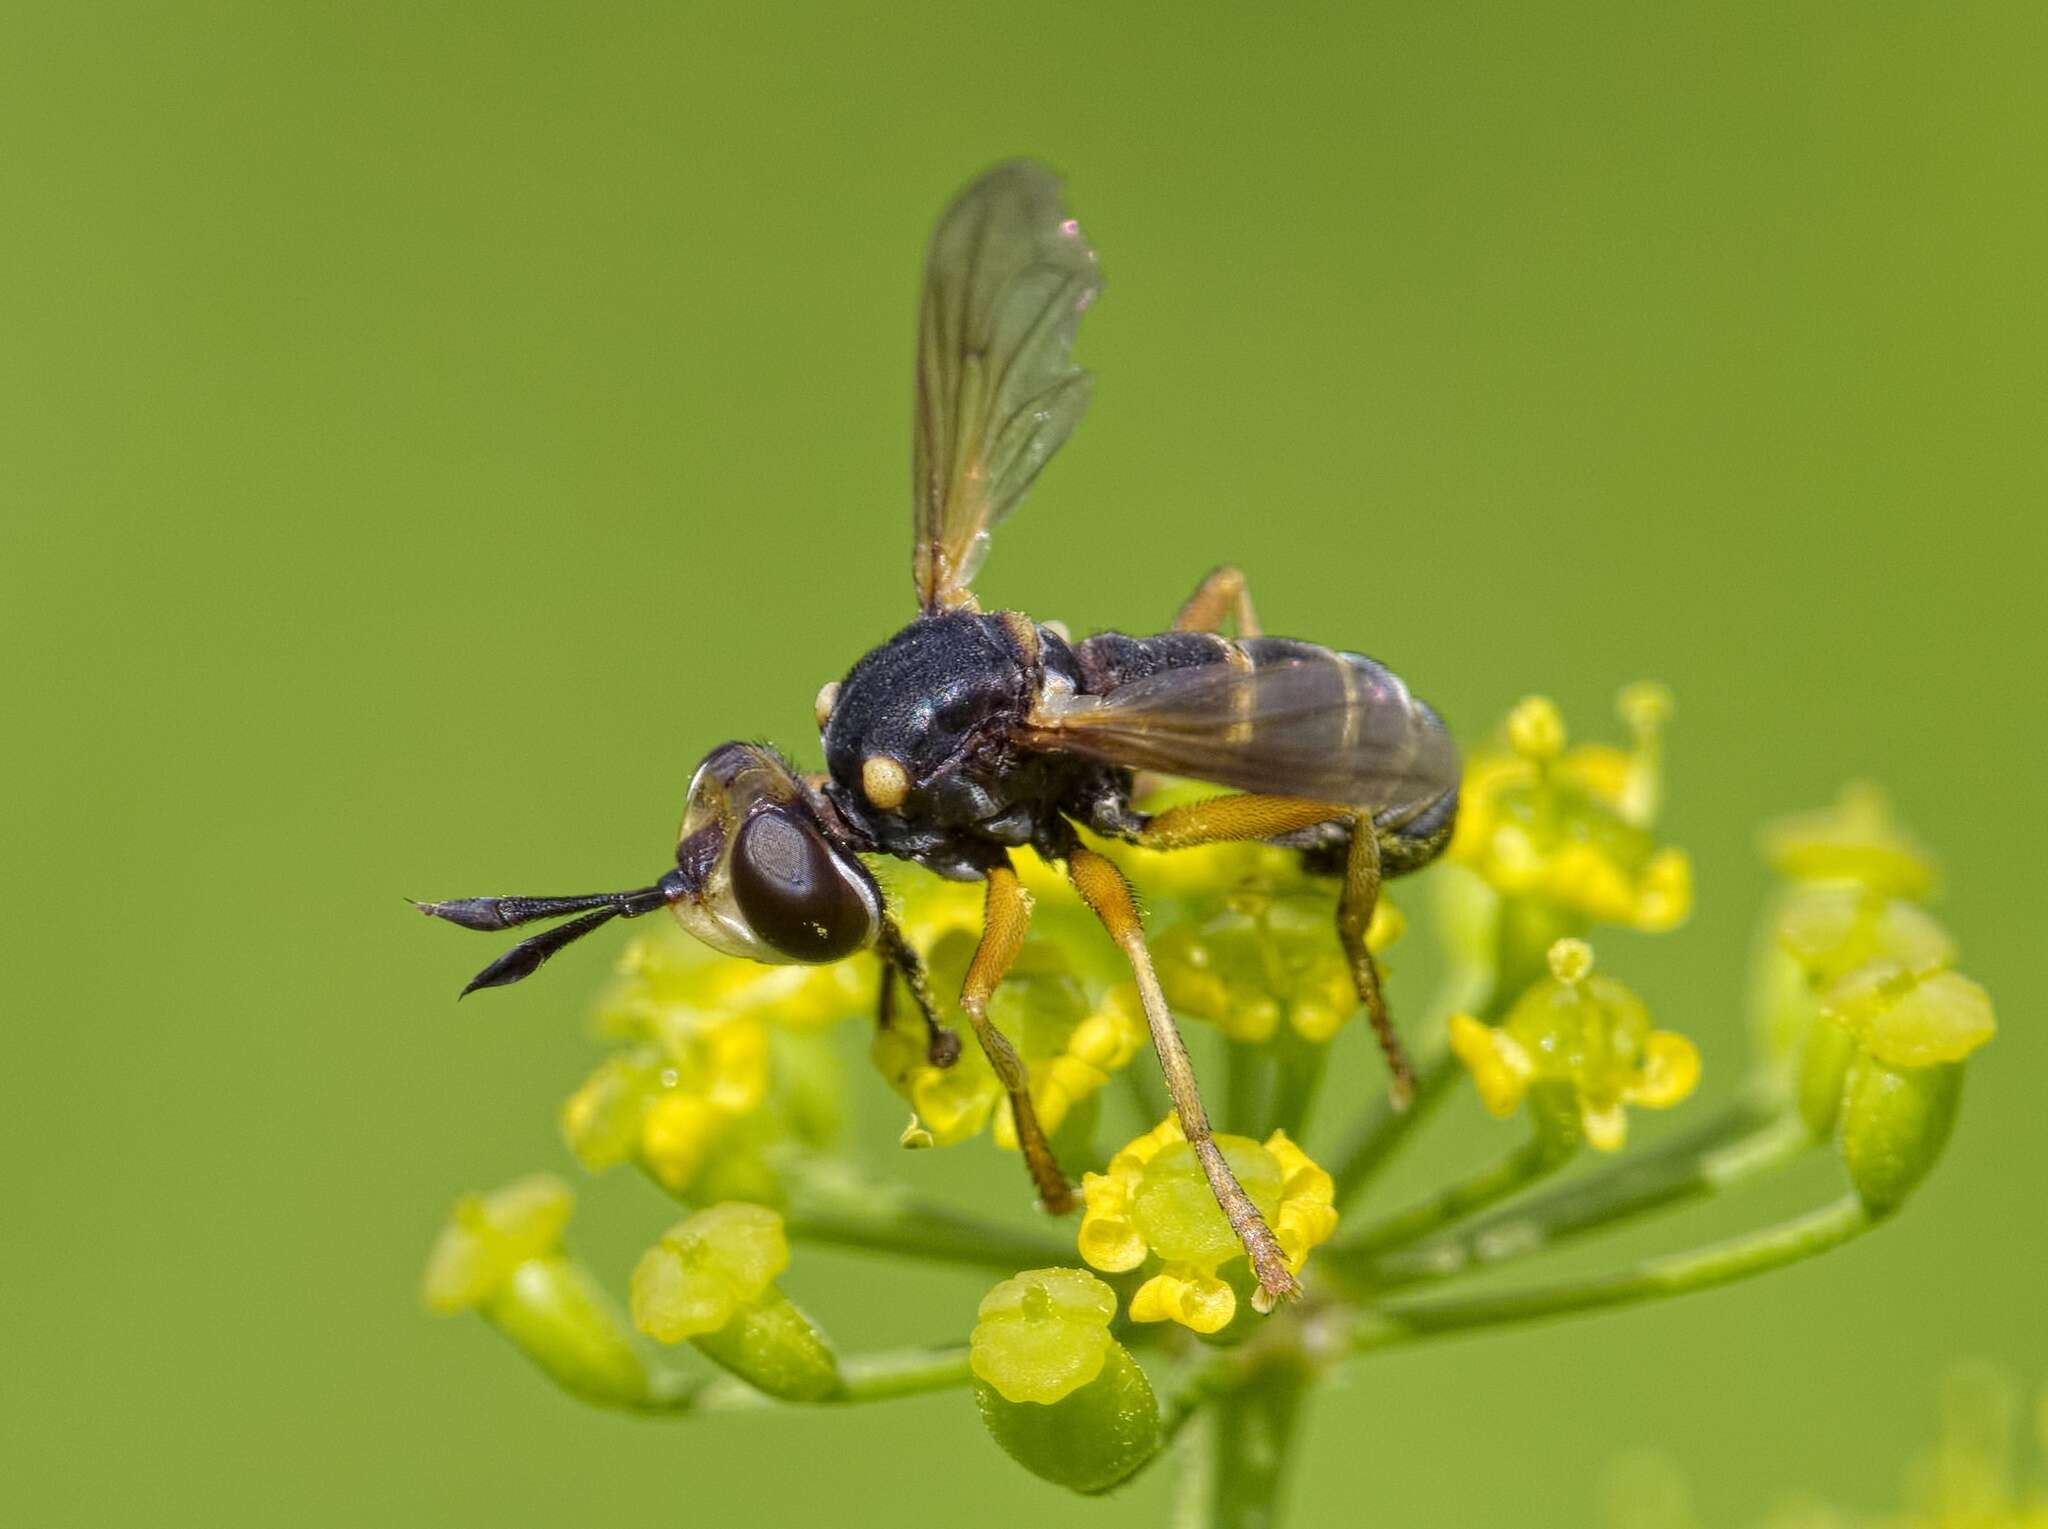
<point>919,737</point>
<point>914,720</point>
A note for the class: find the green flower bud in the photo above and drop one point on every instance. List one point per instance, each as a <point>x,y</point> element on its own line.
<point>1910,1020</point>
<point>1088,1441</point>
<point>500,1254</point>
<point>1063,1398</point>
<point>1894,1124</point>
<point>488,1236</point>
<point>1043,1335</point>
<point>565,1322</point>
<point>711,1280</point>
<point>1855,841</point>
<point>774,1348</point>
<point>1823,1069</point>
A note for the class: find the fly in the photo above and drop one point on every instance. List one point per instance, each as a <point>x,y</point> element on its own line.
<point>971,734</point>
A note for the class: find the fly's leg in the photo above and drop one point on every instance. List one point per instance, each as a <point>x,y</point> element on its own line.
<point>941,1045</point>
<point>1267,817</point>
<point>1222,593</point>
<point>1103,888</point>
<point>1355,906</point>
<point>1007,914</point>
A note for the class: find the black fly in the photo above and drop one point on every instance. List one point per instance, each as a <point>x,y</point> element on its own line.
<point>970,734</point>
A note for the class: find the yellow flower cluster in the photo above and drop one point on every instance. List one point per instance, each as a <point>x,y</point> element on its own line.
<point>688,1096</point>
<point>1588,1040</point>
<point>1072,1030</point>
<point>1264,953</point>
<point>1155,1202</point>
<point>1857,945</point>
<point>1571,826</point>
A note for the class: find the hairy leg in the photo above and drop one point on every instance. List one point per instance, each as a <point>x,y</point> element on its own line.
<point>1224,818</point>
<point>942,1046</point>
<point>1355,906</point>
<point>1222,593</point>
<point>1103,888</point>
<point>1007,914</point>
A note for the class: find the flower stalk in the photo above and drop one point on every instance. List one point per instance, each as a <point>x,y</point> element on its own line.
<point>1100,1347</point>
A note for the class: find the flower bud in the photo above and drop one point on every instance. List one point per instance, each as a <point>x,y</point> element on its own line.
<point>711,1280</point>
<point>1823,1071</point>
<point>500,1255</point>
<point>1894,1124</point>
<point>1063,1398</point>
<point>1857,842</point>
<point>568,1325</point>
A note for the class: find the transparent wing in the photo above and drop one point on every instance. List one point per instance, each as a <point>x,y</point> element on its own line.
<point>1006,279</point>
<point>1331,727</point>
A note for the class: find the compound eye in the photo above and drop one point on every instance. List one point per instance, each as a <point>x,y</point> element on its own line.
<point>794,892</point>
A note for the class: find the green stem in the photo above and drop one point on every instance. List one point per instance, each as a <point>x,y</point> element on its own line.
<point>1745,1141</point>
<point>1254,1428</point>
<point>1194,1480</point>
<point>1146,1094</point>
<point>1530,1162</point>
<point>1372,1145</point>
<point>1302,1064</point>
<point>840,1211</point>
<point>1247,1088</point>
<point>875,1377</point>
<point>1775,1247</point>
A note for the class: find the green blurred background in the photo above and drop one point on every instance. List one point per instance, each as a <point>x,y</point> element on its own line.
<point>425,429</point>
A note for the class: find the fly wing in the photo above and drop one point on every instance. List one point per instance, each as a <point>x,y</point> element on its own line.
<point>1006,279</point>
<point>1330,727</point>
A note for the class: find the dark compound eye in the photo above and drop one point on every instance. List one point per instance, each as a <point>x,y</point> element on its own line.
<point>792,892</point>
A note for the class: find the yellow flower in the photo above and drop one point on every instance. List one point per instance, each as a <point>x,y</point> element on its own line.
<point>669,982</point>
<point>1571,827</point>
<point>1589,1038</point>
<point>718,1072</point>
<point>1072,1034</point>
<point>1155,1202</point>
<point>672,1107</point>
<point>1267,955</point>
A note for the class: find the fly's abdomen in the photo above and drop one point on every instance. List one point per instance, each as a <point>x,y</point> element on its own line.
<point>1266,714</point>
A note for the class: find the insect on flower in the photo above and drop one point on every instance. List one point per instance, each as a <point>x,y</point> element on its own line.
<point>969,734</point>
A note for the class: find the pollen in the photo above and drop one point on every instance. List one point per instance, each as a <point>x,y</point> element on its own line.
<point>884,781</point>
<point>828,697</point>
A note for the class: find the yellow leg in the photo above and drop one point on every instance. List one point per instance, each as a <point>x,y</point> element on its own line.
<point>1235,817</point>
<point>1104,889</point>
<point>1264,817</point>
<point>1006,917</point>
<point>1222,592</point>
